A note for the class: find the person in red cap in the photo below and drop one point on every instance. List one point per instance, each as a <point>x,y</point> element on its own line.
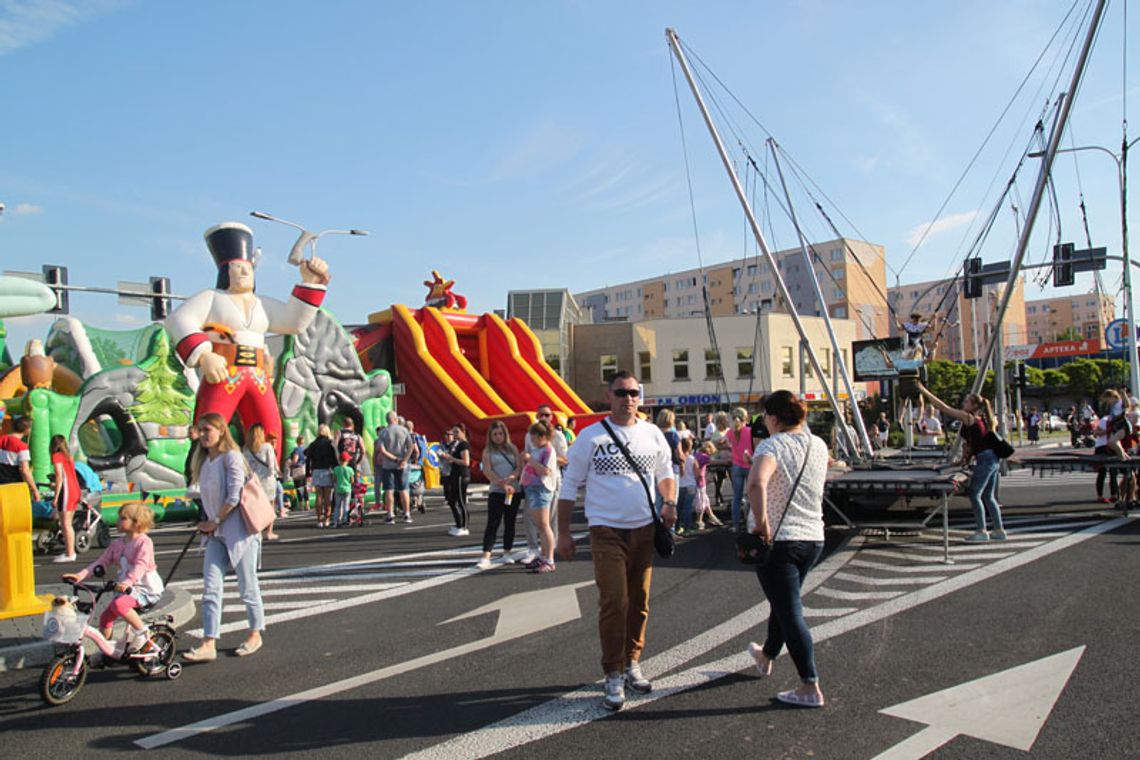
<point>222,331</point>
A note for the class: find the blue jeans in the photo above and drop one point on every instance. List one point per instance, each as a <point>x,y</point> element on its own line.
<point>983,488</point>
<point>685,499</point>
<point>214,566</point>
<point>739,495</point>
<point>781,580</point>
<point>340,507</point>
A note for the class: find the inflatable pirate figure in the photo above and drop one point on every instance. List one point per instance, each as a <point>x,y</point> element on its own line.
<point>222,331</point>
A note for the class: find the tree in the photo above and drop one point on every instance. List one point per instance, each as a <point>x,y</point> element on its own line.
<point>1071,334</point>
<point>1084,377</point>
<point>949,381</point>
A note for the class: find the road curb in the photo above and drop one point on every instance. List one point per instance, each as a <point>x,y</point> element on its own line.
<point>176,602</point>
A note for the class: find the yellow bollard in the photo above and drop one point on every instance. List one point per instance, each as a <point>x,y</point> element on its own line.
<point>17,576</point>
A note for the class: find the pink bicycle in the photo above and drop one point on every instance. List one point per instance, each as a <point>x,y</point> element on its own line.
<point>65,624</point>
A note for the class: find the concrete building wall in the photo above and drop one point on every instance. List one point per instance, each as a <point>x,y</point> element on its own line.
<point>969,319</point>
<point>1050,318</point>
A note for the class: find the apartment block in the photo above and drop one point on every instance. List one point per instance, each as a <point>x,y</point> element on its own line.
<point>1079,316</point>
<point>852,277</point>
<point>551,314</point>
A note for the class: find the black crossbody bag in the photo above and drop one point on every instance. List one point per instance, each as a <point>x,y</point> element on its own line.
<point>662,537</point>
<point>752,549</point>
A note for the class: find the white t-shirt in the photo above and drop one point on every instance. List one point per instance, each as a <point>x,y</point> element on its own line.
<point>929,430</point>
<point>804,521</point>
<point>688,479</point>
<point>615,496</point>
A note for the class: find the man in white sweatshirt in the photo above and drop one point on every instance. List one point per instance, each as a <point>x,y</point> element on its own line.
<point>621,527</point>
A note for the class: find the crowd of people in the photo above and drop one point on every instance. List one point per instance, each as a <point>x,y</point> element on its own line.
<point>634,474</point>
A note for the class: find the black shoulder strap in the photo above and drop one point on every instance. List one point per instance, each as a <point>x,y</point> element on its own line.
<point>629,458</point>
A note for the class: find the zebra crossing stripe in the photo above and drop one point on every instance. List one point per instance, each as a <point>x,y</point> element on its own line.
<point>920,580</point>
<point>869,565</point>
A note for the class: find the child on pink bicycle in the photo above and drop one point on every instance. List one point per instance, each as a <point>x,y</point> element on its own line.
<point>139,582</point>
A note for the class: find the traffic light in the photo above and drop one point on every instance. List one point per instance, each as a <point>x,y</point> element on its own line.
<point>54,277</point>
<point>1022,378</point>
<point>1063,264</point>
<point>160,301</point>
<point>973,286</point>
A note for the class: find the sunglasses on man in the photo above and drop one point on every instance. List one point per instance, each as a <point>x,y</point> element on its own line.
<point>627,392</point>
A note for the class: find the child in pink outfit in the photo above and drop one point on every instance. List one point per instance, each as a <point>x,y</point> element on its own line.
<point>132,554</point>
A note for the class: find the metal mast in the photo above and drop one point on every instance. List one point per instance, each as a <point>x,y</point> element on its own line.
<point>1038,194</point>
<point>835,352</point>
<point>675,46</point>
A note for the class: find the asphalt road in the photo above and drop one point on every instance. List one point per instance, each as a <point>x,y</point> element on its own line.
<point>362,614</point>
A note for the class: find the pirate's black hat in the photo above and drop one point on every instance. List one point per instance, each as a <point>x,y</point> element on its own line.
<point>230,241</point>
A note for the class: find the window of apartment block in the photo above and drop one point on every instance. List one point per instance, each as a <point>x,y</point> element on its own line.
<point>837,293</point>
<point>805,366</point>
<point>841,312</point>
<point>744,362</point>
<point>787,361</point>
<point>609,367</point>
<point>712,364</point>
<point>837,254</point>
<point>680,364</point>
<point>825,361</point>
<point>644,367</point>
<point>555,362</point>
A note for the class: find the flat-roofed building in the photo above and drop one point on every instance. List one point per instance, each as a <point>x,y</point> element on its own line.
<point>1078,317</point>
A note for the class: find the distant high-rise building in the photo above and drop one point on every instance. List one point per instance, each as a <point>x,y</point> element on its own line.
<point>851,273</point>
<point>1069,317</point>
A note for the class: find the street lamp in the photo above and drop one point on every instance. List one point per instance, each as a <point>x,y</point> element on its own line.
<point>297,253</point>
<point>1122,182</point>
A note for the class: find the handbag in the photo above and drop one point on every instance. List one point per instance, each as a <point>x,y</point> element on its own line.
<point>662,536</point>
<point>752,549</point>
<point>1000,446</point>
<point>256,511</point>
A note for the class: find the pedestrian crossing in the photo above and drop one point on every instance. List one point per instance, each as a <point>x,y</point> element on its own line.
<point>1025,477</point>
<point>879,569</point>
<point>293,593</point>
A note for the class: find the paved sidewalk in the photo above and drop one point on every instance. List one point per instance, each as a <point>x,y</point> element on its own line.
<point>21,645</point>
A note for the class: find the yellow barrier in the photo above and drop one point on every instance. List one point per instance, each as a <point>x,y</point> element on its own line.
<point>17,576</point>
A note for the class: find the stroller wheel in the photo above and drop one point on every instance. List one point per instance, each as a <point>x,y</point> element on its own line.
<point>173,670</point>
<point>82,541</point>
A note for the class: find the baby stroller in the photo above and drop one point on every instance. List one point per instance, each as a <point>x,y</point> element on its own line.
<point>416,488</point>
<point>356,502</point>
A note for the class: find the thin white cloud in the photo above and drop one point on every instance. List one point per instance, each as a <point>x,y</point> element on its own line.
<point>27,209</point>
<point>938,226</point>
<point>547,145</point>
<point>24,23</point>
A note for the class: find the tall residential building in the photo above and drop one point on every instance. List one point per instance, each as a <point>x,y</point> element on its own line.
<point>852,276</point>
<point>964,323</point>
<point>551,315</point>
<point>1080,316</point>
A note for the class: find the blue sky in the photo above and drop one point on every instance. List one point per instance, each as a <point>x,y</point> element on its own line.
<point>511,144</point>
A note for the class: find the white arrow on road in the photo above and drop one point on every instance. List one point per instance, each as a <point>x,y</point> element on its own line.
<point>519,615</point>
<point>1007,708</point>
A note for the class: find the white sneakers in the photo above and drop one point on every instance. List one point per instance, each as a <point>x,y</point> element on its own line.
<point>484,564</point>
<point>615,691</point>
<point>458,531</point>
<point>635,680</point>
<point>63,558</point>
<point>977,538</point>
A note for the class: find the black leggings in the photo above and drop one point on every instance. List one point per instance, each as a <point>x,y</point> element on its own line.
<point>457,499</point>
<point>1113,488</point>
<point>497,509</point>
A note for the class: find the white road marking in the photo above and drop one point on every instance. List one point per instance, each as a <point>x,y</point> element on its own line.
<point>908,556</point>
<point>1007,708</point>
<point>828,611</point>
<point>580,707</point>
<point>290,605</point>
<point>988,546</point>
<point>520,615</point>
<point>865,580</point>
<point>910,568</point>
<point>856,595</point>
<point>310,591</point>
<point>1052,528</point>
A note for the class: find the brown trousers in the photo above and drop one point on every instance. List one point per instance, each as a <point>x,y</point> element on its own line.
<point>623,569</point>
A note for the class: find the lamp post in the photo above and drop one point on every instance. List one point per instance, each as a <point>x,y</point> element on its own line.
<point>1129,310</point>
<point>297,254</point>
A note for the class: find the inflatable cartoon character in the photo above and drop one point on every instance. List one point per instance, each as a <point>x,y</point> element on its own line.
<point>440,295</point>
<point>222,331</point>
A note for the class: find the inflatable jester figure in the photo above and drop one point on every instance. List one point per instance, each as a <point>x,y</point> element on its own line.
<point>222,331</point>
